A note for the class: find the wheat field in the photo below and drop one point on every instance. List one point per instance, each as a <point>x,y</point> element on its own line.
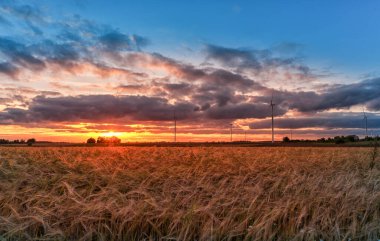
<point>194,193</point>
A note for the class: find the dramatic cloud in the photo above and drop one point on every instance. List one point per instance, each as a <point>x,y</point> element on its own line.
<point>95,108</point>
<point>345,96</point>
<point>321,121</point>
<point>241,111</point>
<point>107,107</point>
<point>256,60</point>
<point>365,93</point>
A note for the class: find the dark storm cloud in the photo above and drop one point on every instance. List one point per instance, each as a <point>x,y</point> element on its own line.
<point>178,89</point>
<point>364,93</point>
<point>326,121</point>
<point>95,108</point>
<point>220,87</point>
<point>98,108</point>
<point>203,86</point>
<point>222,78</point>
<point>316,122</point>
<point>241,111</point>
<point>345,96</point>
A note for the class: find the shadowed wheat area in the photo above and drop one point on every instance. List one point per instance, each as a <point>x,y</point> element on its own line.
<point>210,193</point>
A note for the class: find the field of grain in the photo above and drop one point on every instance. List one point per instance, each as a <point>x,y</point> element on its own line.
<point>195,193</point>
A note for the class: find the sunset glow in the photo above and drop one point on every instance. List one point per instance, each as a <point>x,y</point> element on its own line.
<point>75,70</point>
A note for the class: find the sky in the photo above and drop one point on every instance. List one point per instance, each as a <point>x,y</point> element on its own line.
<point>75,69</point>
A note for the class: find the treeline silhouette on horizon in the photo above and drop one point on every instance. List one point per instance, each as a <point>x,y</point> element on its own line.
<point>336,139</point>
<point>29,142</point>
<point>104,140</point>
<point>115,140</point>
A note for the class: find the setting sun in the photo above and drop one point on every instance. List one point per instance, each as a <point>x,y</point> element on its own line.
<point>111,133</point>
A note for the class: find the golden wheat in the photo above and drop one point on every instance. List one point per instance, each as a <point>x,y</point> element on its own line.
<point>210,193</point>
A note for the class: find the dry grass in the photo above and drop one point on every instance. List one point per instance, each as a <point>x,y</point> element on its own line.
<point>211,193</point>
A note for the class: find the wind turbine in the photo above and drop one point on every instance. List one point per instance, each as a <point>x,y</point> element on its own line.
<point>366,123</point>
<point>175,127</point>
<point>272,106</point>
<point>231,132</point>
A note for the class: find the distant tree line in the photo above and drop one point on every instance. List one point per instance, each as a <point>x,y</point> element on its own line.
<point>104,140</point>
<point>30,141</point>
<point>336,139</point>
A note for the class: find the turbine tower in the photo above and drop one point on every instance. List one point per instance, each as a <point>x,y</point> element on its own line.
<point>175,127</point>
<point>231,132</point>
<point>291,134</point>
<point>365,122</point>
<point>272,107</point>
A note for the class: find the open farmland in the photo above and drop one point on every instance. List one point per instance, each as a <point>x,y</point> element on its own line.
<point>193,193</point>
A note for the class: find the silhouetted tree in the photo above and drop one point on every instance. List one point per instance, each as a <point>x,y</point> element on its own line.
<point>91,140</point>
<point>31,141</point>
<point>339,139</point>
<point>114,140</point>
<point>4,141</point>
<point>286,139</point>
<point>108,140</point>
<point>101,139</point>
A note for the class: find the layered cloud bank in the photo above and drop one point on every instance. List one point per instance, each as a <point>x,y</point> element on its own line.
<point>63,72</point>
